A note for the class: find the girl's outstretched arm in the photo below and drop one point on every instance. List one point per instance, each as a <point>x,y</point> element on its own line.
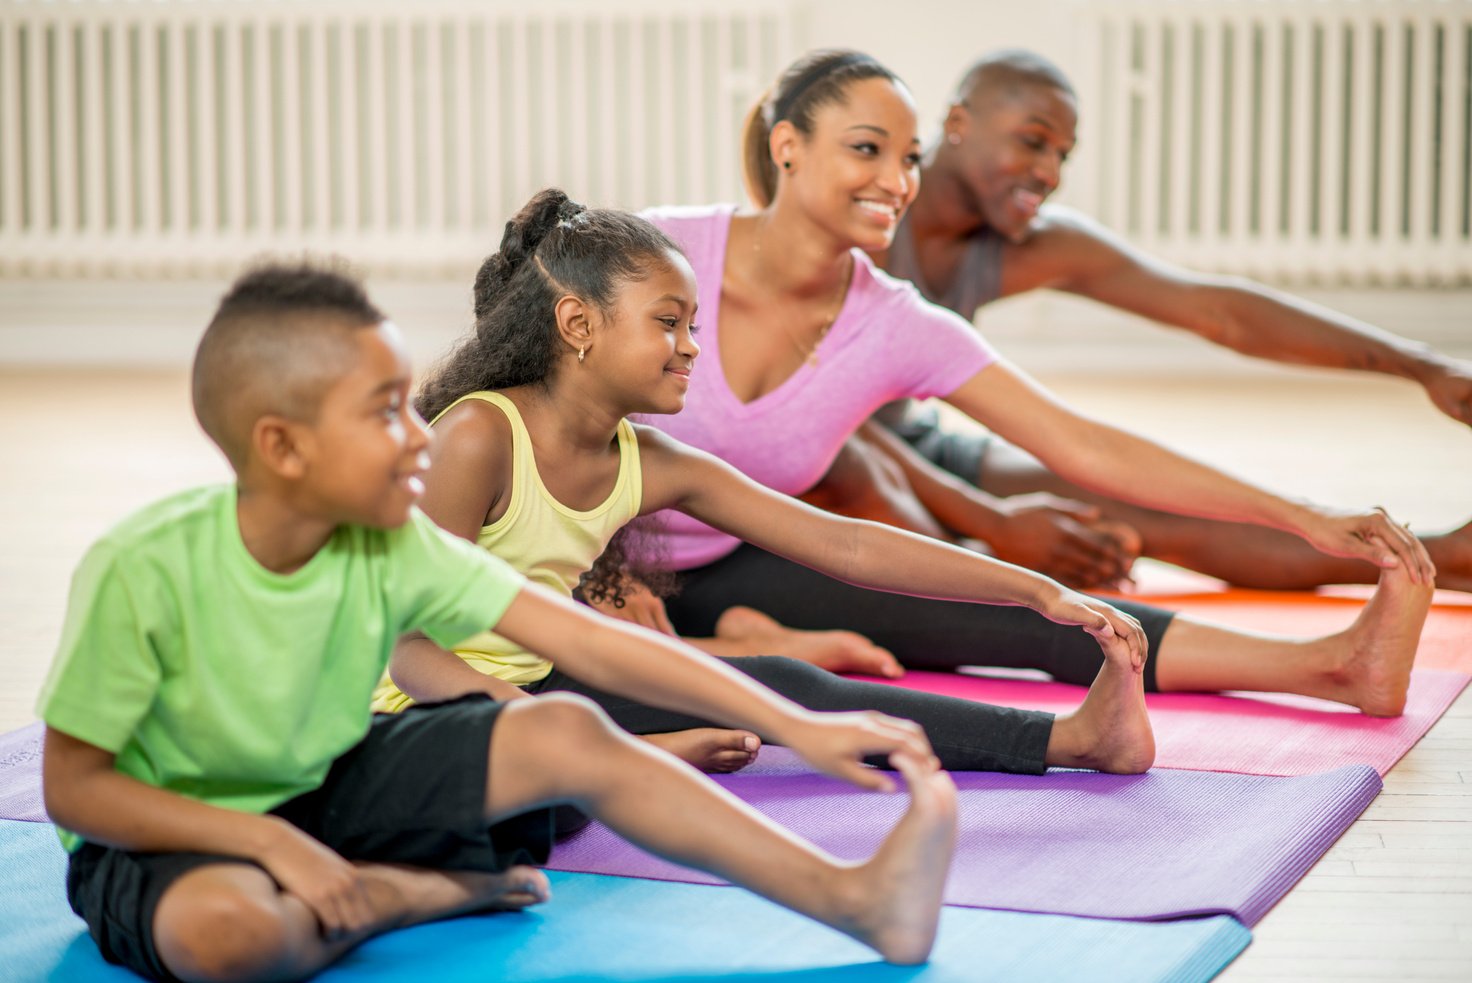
<point>866,554</point>
<point>1123,465</point>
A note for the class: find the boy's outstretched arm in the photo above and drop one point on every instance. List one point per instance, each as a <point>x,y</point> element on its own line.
<point>641,664</point>
<point>85,794</point>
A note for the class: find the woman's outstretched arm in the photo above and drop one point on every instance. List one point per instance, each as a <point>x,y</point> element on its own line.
<point>1123,465</point>
<point>863,553</point>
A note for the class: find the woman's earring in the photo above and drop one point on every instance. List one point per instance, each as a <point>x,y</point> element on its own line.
<point>582,350</point>
<point>787,165</point>
<point>954,139</point>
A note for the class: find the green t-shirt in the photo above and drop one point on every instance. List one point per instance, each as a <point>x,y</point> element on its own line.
<point>210,676</point>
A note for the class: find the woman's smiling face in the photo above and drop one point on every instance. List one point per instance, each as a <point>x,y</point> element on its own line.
<point>859,169</point>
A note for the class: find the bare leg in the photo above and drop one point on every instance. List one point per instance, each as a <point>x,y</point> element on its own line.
<point>231,921</point>
<point>865,484</point>
<point>561,748</point>
<point>1368,665</point>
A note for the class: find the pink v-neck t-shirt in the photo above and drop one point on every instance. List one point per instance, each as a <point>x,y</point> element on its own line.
<point>887,343</point>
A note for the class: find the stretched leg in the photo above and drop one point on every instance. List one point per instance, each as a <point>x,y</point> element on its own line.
<point>230,921</point>
<point>1184,653</point>
<point>1246,555</point>
<point>562,749</point>
<point>1368,665</point>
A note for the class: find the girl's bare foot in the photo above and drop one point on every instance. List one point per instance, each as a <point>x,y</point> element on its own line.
<point>836,651</point>
<point>1372,659</point>
<point>892,902</point>
<point>710,749</point>
<point>1110,731</point>
<point>1452,554</point>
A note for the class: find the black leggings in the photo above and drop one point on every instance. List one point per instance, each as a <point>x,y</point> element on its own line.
<point>967,736</point>
<point>921,632</point>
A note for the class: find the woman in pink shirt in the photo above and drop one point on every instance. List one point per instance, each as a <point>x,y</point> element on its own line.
<point>804,339</point>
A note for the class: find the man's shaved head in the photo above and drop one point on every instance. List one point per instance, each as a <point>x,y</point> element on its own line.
<point>281,336</point>
<point>1003,75</point>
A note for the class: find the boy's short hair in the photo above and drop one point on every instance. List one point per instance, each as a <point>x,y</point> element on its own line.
<point>1007,72</point>
<point>280,337</point>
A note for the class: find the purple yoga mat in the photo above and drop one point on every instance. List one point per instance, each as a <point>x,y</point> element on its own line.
<point>20,775</point>
<point>1166,844</point>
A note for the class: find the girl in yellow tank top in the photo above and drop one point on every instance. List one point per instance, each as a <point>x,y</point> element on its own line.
<point>584,318</point>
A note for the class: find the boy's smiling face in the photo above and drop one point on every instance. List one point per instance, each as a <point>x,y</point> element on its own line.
<point>362,458</point>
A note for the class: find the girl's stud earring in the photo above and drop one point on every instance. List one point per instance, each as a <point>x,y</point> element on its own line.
<point>954,139</point>
<point>582,350</point>
<point>787,165</point>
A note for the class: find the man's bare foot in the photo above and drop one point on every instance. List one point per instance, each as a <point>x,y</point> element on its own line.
<point>1110,731</point>
<point>836,650</point>
<point>710,749</point>
<point>417,894</point>
<point>1452,554</point>
<point>892,902</point>
<point>1372,658</point>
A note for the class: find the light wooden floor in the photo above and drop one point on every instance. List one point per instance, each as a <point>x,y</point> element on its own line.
<point>1392,901</point>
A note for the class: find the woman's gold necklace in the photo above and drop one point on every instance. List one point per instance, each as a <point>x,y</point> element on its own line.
<point>810,354</point>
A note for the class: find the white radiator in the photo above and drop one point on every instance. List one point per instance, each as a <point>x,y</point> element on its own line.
<point>1303,140</point>
<point>171,138</point>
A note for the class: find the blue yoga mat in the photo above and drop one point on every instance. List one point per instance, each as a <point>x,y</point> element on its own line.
<point>623,929</point>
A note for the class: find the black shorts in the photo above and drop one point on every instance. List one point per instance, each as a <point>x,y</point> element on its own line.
<point>411,792</point>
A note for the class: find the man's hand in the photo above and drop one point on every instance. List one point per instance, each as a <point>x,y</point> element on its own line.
<point>1450,388</point>
<point>1061,539</point>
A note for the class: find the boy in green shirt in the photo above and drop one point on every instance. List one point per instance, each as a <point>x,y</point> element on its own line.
<point>232,809</point>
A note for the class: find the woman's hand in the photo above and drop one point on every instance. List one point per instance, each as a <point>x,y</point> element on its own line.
<point>1117,633</point>
<point>1371,536</point>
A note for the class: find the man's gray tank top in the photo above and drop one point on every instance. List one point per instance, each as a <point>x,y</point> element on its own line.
<point>978,281</point>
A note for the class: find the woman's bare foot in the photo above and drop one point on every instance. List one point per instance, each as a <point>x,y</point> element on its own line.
<point>710,749</point>
<point>892,902</point>
<point>1110,731</point>
<point>1452,554</point>
<point>836,651</point>
<point>1371,659</point>
<point>418,894</point>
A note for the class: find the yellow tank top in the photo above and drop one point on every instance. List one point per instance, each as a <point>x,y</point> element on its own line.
<point>545,540</point>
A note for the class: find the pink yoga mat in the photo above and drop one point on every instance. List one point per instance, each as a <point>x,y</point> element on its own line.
<point>1254,734</point>
<point>1167,844</point>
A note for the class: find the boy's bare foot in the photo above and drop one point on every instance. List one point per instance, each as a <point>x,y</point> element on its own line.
<point>419,894</point>
<point>892,902</point>
<point>1110,731</point>
<point>1452,554</point>
<point>836,650</point>
<point>710,749</point>
<point>1373,657</point>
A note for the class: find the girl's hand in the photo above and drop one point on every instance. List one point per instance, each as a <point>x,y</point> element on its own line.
<point>1118,634</point>
<point>641,606</point>
<point>1371,536</point>
<point>837,744</point>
